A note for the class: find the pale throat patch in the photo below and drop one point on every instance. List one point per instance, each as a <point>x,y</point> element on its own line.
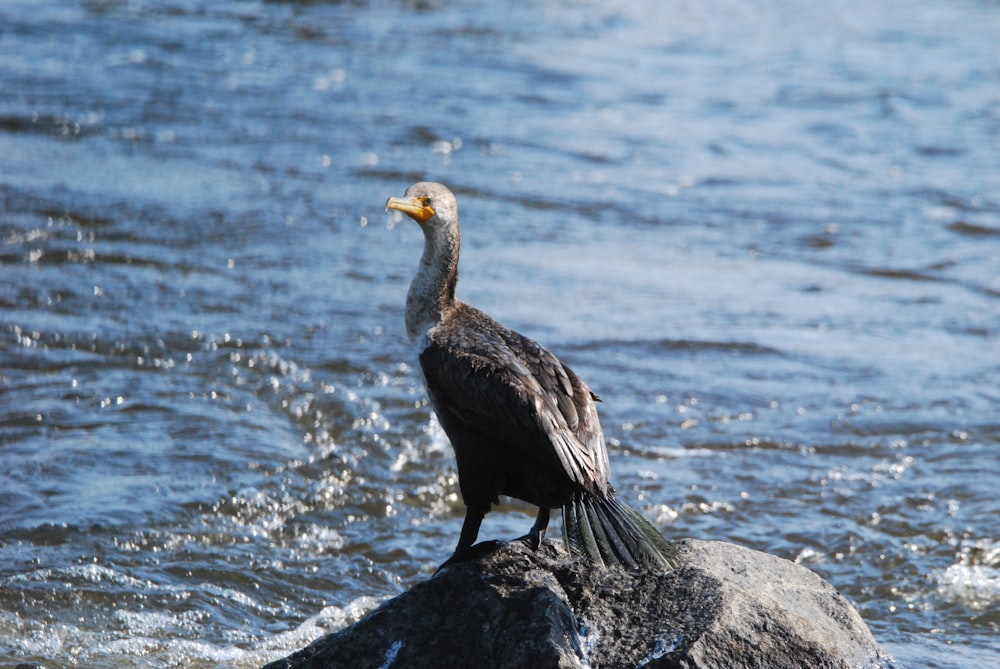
<point>423,340</point>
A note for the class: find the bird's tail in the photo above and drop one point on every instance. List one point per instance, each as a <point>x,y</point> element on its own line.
<point>610,533</point>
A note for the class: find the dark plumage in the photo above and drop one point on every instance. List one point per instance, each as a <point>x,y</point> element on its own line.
<point>522,423</point>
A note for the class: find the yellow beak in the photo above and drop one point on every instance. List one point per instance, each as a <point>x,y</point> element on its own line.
<point>413,207</point>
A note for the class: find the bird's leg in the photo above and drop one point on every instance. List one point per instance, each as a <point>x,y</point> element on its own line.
<point>470,528</point>
<point>537,531</point>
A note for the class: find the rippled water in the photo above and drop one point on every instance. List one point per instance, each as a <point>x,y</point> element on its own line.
<point>767,235</point>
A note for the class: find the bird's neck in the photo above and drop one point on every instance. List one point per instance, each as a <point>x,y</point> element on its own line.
<point>432,291</point>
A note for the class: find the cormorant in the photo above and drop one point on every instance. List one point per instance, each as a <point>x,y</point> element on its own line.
<point>522,423</point>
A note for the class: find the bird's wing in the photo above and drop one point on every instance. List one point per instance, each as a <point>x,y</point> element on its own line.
<point>508,386</point>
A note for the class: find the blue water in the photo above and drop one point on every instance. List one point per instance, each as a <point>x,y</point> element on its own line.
<point>766,234</point>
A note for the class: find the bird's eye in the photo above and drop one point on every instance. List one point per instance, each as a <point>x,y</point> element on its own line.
<point>427,202</point>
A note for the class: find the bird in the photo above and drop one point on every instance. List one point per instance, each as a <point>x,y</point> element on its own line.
<point>521,422</point>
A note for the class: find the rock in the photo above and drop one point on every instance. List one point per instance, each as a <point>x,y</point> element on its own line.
<point>727,606</point>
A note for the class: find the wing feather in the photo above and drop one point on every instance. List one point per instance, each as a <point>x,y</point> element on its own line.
<point>501,382</point>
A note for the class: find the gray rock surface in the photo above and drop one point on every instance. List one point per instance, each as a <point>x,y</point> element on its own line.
<point>726,607</point>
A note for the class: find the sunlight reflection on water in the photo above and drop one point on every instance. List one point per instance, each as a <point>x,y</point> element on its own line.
<point>765,236</point>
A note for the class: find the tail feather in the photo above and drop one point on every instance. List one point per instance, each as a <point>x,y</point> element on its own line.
<point>629,542</point>
<point>579,534</point>
<point>613,537</point>
<point>609,543</point>
<point>610,533</point>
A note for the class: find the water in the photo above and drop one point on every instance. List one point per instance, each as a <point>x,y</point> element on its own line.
<point>765,234</point>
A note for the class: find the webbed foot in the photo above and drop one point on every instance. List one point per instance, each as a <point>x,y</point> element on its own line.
<point>480,550</point>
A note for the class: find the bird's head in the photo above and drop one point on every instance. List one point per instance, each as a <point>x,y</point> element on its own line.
<point>427,203</point>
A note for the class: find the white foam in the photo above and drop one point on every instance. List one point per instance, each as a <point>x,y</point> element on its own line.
<point>665,643</point>
<point>676,452</point>
<point>327,620</point>
<point>975,580</point>
<point>978,586</point>
<point>391,653</point>
<point>318,539</point>
<point>588,639</point>
<point>142,638</point>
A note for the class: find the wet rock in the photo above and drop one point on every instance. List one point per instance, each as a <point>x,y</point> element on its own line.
<point>727,606</point>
